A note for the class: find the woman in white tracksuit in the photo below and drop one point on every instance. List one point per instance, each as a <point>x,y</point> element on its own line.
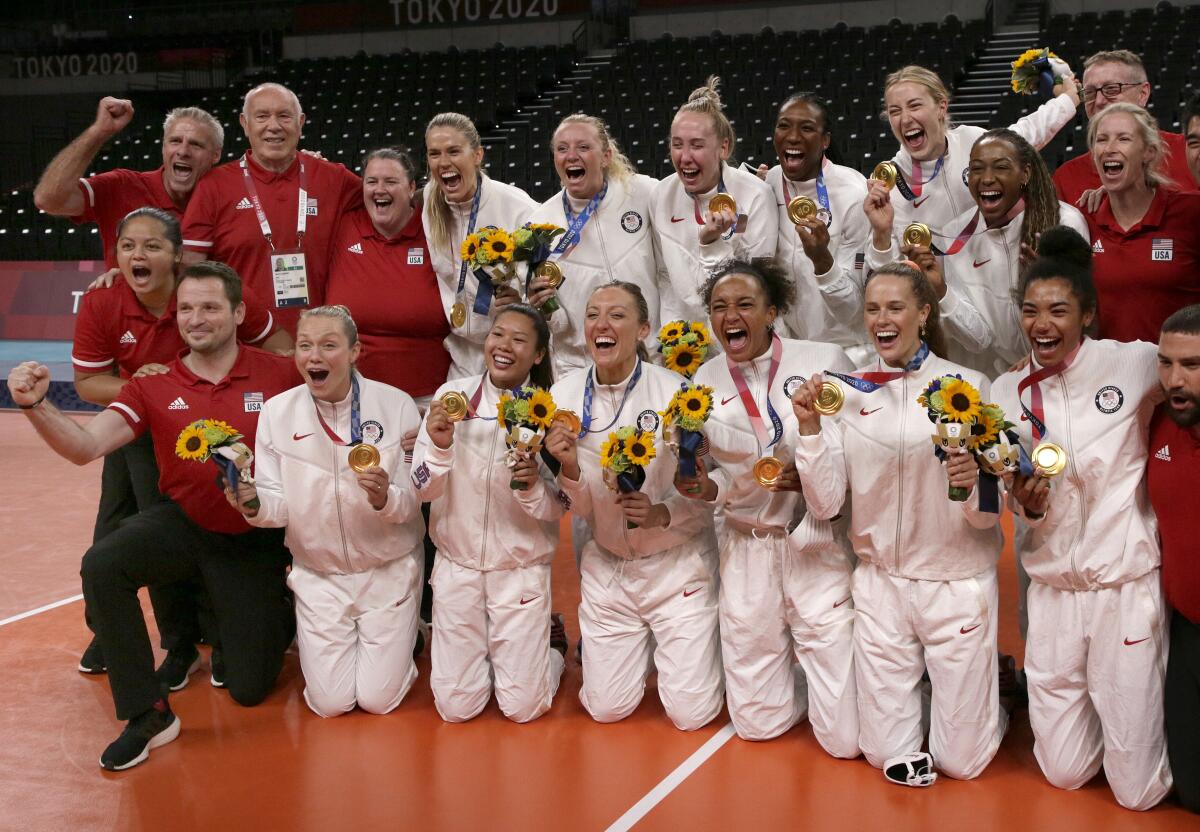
<point>355,538</point>
<point>611,205</point>
<point>1096,654</point>
<point>692,240</point>
<point>933,156</point>
<point>459,200</point>
<point>823,253</point>
<point>785,578</point>
<point>491,581</point>
<point>925,587</point>
<point>656,582</point>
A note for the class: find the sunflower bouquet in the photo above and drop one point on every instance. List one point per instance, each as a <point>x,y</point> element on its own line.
<point>219,441</point>
<point>684,346</point>
<point>623,459</point>
<point>533,241</point>
<point>689,409</point>
<point>994,442</point>
<point>525,414</point>
<point>953,406</point>
<point>489,254</point>
<point>1038,70</point>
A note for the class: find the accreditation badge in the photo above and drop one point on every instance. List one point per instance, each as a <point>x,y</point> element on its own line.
<point>290,275</point>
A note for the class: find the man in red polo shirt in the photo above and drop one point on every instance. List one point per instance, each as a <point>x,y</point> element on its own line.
<point>1109,77</point>
<point>1191,134</point>
<point>1173,476</point>
<point>271,214</point>
<point>192,534</point>
<point>192,141</point>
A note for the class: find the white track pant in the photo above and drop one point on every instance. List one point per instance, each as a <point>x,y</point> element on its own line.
<point>948,627</point>
<point>1095,661</point>
<point>491,630</point>
<point>671,596</point>
<point>778,606</point>
<point>356,635</point>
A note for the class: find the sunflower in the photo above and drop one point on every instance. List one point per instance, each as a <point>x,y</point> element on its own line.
<point>192,444</point>
<point>502,408</point>
<point>985,431</point>
<point>224,427</point>
<point>608,450</point>
<point>544,227</point>
<point>684,359</point>
<point>498,246</point>
<point>671,332</point>
<point>640,449</point>
<point>541,409</point>
<point>470,245</point>
<point>695,403</point>
<point>701,333</point>
<point>960,401</point>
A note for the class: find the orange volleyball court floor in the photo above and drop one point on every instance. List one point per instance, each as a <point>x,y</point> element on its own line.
<point>278,766</point>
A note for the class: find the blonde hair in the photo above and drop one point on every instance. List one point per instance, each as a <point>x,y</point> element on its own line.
<point>1118,56</point>
<point>922,77</point>
<point>338,313</point>
<point>619,167</point>
<point>440,215</point>
<point>200,117</point>
<point>707,101</point>
<point>1147,128</point>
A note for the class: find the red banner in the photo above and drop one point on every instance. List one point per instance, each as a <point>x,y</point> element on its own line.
<point>39,299</point>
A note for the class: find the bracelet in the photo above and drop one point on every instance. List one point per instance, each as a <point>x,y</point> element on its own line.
<point>32,406</point>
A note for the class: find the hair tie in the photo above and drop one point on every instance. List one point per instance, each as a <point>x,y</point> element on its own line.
<point>912,265</point>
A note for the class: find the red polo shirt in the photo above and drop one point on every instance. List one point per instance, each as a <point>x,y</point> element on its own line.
<point>221,223</point>
<point>1173,477</point>
<point>109,196</point>
<point>165,404</point>
<point>1145,274</point>
<point>1079,174</point>
<point>392,293</point>
<point>113,327</point>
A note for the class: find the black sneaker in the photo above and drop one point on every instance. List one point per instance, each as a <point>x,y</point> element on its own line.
<point>92,660</point>
<point>424,636</point>
<point>177,666</point>
<point>156,727</point>
<point>217,668</point>
<point>558,633</point>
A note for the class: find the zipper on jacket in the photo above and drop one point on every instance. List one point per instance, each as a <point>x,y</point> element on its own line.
<point>1078,481</point>
<point>762,451</point>
<point>487,500</point>
<point>900,467</point>
<point>337,499</point>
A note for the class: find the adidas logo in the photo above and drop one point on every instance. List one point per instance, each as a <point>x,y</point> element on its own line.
<point>128,338</point>
<point>243,205</point>
<point>178,404</point>
<point>1163,453</point>
<point>1098,247</point>
<point>355,249</point>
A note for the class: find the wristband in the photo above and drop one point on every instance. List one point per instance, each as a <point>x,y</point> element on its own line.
<point>32,406</point>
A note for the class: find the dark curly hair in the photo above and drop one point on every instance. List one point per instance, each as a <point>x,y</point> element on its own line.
<point>1063,254</point>
<point>767,271</point>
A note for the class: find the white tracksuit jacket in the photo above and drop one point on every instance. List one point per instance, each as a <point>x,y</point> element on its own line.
<point>1099,530</point>
<point>981,312</point>
<point>503,206</point>
<point>828,306</point>
<point>686,265</point>
<point>947,196</point>
<point>475,519</point>
<point>307,485</point>
<point>618,243</point>
<point>902,522</point>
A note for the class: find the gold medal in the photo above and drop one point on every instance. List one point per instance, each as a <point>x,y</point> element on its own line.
<point>1049,459</point>
<point>767,471</point>
<point>455,404</point>
<point>801,208</point>
<point>551,272</point>
<point>885,172</point>
<point>458,315</point>
<point>363,456</point>
<point>720,202</point>
<point>917,234</point>
<point>568,418</point>
<point>829,399</point>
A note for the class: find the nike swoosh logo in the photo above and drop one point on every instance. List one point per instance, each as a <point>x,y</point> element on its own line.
<point>727,401</point>
<point>839,603</point>
<point>525,600</point>
<point>1024,418</point>
<point>965,630</point>
<point>1129,643</point>
<point>862,411</point>
<point>689,594</point>
<point>678,219</point>
<point>299,436</point>
<point>978,263</point>
<point>917,202</point>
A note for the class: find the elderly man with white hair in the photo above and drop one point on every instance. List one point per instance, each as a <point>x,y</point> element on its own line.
<point>271,214</point>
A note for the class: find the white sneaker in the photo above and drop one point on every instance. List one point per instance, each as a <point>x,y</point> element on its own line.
<point>914,769</point>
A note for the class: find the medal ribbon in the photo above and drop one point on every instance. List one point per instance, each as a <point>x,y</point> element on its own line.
<point>575,223</point>
<point>473,404</point>
<point>462,269</point>
<point>355,418</point>
<point>589,391</point>
<point>751,407</point>
<point>1037,414</point>
<point>870,382</point>
<point>301,207</point>
<point>914,191</point>
<point>822,193</point>
<point>969,231</point>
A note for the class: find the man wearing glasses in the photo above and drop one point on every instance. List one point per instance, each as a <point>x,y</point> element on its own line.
<point>1109,77</point>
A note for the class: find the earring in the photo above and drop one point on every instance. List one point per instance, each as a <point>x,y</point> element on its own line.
<point>922,329</point>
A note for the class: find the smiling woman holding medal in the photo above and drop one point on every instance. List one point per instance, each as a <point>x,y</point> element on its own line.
<point>1095,656</point>
<point>495,542</point>
<point>784,593</point>
<point>925,591</point>
<point>605,207</point>
<point>329,467</point>
<point>653,581</point>
<point>459,200</point>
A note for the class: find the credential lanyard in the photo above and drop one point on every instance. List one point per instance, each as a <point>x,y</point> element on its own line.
<point>301,206</point>
<point>576,222</point>
<point>355,418</point>
<point>589,391</point>
<point>870,382</point>
<point>462,269</point>
<point>751,407</point>
<point>822,193</point>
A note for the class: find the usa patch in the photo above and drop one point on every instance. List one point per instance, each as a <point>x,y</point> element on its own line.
<point>416,257</point>
<point>312,206</point>
<point>420,475</point>
<point>252,402</point>
<point>1162,250</point>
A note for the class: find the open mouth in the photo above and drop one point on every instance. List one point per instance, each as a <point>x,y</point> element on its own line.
<point>140,272</point>
<point>604,344</point>
<point>690,176</point>
<point>502,362</point>
<point>1113,168</point>
<point>451,180</point>
<point>1046,344</point>
<point>915,138</point>
<point>181,170</point>
<point>793,158</point>
<point>736,338</point>
<point>318,376</point>
<point>886,337</point>
<point>1181,401</point>
<point>991,198</point>
<point>575,173</point>
<point>382,202</point>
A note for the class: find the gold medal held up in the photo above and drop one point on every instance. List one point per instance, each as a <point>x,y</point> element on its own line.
<point>551,272</point>
<point>568,418</point>
<point>458,315</point>
<point>829,399</point>
<point>1049,459</point>
<point>720,202</point>
<point>801,208</point>
<point>767,471</point>
<point>885,172</point>
<point>363,456</point>
<point>917,234</point>
<point>455,404</point>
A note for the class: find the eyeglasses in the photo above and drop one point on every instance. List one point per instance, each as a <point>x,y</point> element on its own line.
<point>1109,91</point>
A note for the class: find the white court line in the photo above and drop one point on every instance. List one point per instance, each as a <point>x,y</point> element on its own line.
<point>46,608</point>
<point>656,795</point>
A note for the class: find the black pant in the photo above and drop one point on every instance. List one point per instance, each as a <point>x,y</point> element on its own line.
<point>1182,702</point>
<point>430,557</point>
<point>244,577</point>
